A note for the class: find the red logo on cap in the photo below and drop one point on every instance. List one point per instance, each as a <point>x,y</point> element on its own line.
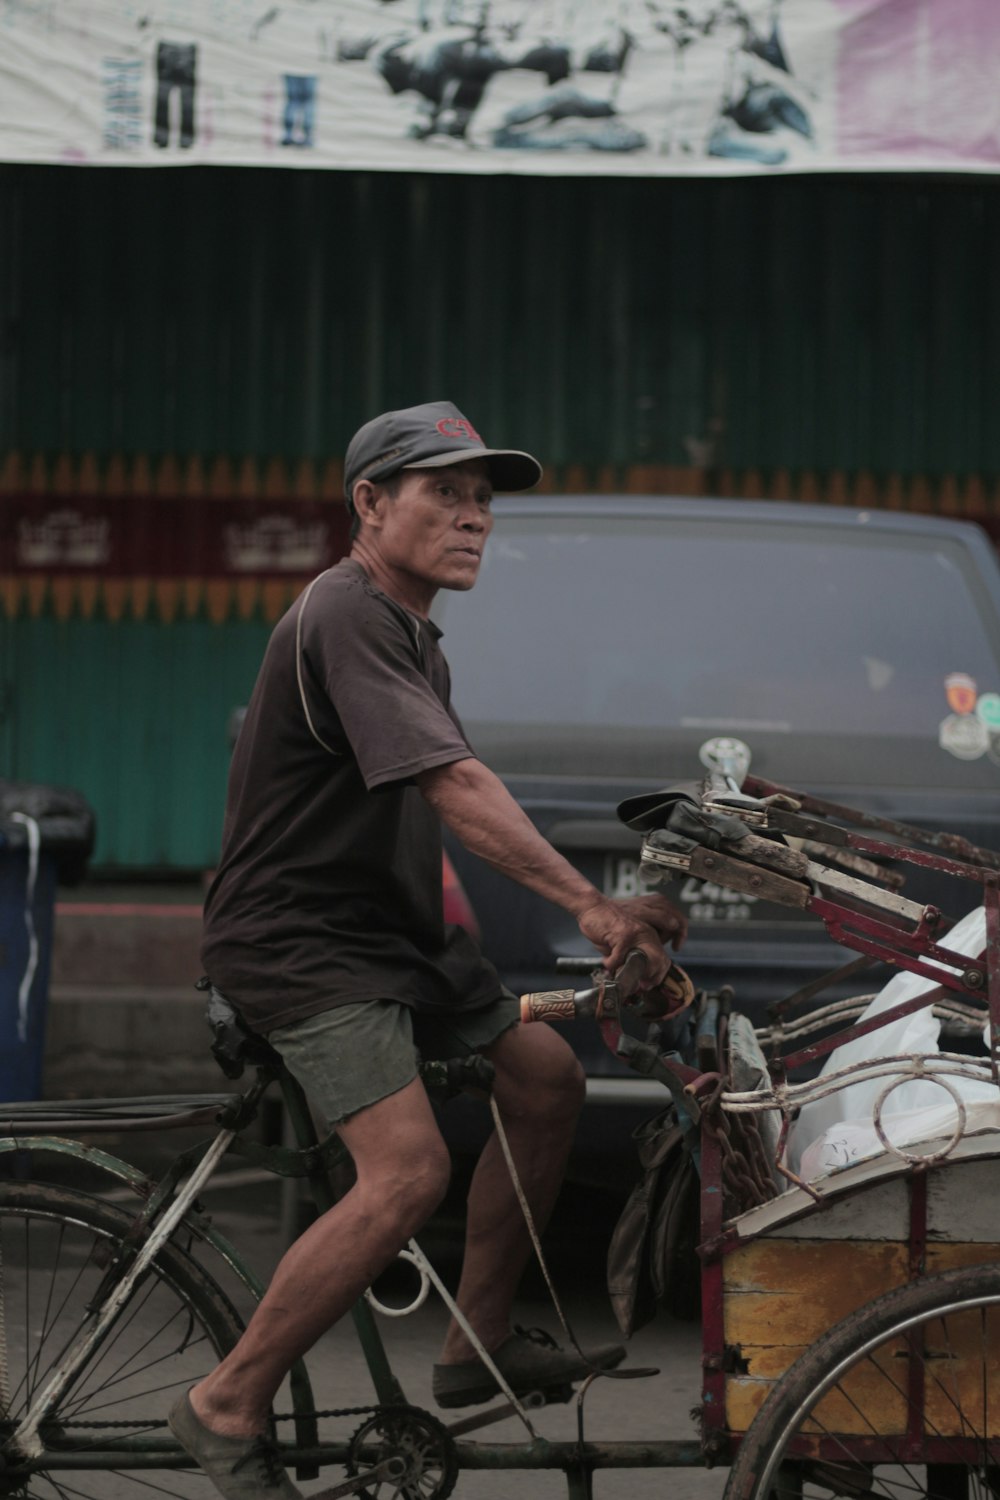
<point>456,427</point>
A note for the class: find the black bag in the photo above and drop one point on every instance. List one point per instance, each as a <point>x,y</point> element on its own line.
<point>652,1257</point>
<point>65,824</point>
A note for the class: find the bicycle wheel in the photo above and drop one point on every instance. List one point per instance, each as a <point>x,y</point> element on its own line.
<point>901,1400</point>
<point>56,1245</point>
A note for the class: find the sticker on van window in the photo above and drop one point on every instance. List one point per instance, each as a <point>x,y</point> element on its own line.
<point>960,690</point>
<point>988,710</point>
<point>964,736</point>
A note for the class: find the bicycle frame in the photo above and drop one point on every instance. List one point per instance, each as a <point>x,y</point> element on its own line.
<point>171,1204</point>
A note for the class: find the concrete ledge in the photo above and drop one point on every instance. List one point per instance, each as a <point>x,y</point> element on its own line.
<point>123,942</point>
<point>125,1040</point>
<point>124,1016</point>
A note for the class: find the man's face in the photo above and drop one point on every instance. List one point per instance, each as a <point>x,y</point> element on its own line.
<point>435,527</point>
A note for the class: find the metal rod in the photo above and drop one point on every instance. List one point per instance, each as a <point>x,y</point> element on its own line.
<point>667,1454</point>
<point>26,1439</point>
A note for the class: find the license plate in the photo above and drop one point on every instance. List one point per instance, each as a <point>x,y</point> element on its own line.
<point>702,900</point>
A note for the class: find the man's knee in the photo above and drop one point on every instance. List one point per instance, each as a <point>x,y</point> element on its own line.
<point>424,1173</point>
<point>560,1070</point>
<point>570,1081</point>
<point>408,1178</point>
<point>417,1185</point>
<point>538,1074</point>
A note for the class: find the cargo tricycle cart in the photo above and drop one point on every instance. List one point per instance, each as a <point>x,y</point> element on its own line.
<point>848,1240</point>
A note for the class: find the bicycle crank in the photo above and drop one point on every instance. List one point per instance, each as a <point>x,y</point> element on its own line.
<point>390,1469</point>
<point>426,1449</point>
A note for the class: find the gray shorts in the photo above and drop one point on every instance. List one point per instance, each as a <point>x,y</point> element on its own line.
<point>354,1055</point>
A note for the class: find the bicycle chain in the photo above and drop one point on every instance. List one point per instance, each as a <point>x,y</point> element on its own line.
<point>339,1411</point>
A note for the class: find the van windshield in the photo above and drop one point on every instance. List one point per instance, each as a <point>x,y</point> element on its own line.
<point>613,645</point>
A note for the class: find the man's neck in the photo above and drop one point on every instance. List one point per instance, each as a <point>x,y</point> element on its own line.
<point>414,594</point>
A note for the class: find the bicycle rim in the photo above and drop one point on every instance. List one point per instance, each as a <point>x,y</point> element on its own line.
<point>55,1248</point>
<point>901,1401</point>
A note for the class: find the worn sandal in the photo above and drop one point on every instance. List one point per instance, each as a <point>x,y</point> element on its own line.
<point>240,1468</point>
<point>529,1360</point>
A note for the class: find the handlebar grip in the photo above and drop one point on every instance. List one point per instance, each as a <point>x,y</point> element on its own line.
<point>549,1005</point>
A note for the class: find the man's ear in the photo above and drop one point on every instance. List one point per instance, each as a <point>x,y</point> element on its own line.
<point>366,502</point>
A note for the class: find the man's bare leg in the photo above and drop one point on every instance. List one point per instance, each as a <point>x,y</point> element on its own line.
<point>402,1173</point>
<point>539,1091</point>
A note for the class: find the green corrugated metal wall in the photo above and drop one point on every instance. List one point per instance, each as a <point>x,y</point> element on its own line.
<point>133,715</point>
<point>624,330</point>
<point>819,323</point>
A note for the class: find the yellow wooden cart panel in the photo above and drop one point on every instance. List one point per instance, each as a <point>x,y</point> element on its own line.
<point>783,1295</point>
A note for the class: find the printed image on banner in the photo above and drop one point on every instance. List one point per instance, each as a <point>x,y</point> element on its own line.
<point>638,87</point>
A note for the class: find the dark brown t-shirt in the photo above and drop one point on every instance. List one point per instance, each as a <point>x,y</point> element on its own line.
<point>329,884</point>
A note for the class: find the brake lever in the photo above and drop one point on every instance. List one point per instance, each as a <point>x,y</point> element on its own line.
<point>674,993</point>
<point>618,989</point>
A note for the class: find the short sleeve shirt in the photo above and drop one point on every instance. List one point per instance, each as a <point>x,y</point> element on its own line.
<point>329,883</point>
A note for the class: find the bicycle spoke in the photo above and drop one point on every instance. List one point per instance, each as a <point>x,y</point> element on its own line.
<point>913,1486</point>
<point>35,1372</point>
<point>25,1228</point>
<point>159,1488</point>
<point>65,1492</point>
<point>34,1375</point>
<point>123,1372</point>
<point>951,1395</point>
<point>71,1490</point>
<point>58,1244</point>
<point>59,1488</point>
<point>48,1303</point>
<point>83,1398</point>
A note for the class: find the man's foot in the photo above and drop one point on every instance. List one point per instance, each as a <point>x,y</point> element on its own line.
<point>529,1360</point>
<point>240,1468</point>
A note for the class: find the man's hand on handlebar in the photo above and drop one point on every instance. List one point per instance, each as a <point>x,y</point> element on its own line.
<point>643,922</point>
<point>659,914</point>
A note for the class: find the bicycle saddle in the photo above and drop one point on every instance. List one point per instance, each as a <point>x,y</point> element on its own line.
<point>235,1044</point>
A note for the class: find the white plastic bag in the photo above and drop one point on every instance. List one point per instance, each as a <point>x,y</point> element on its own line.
<point>854,1140</point>
<point>917,1032</point>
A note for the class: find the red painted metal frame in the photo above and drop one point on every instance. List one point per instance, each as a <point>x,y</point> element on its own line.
<point>992,898</point>
<point>915,1383</point>
<point>878,939</point>
<point>713,1357</point>
<point>953,843</point>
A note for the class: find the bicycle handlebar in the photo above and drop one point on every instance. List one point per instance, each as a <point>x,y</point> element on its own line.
<point>608,993</point>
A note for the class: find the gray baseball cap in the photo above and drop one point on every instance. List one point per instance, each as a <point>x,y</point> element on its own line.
<point>429,437</point>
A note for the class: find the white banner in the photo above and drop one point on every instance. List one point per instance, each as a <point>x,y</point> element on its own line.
<point>613,87</point>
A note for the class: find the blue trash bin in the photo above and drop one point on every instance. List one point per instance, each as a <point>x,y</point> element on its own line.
<point>26,923</point>
<point>46,834</point>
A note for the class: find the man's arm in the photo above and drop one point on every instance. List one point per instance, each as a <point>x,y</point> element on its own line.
<point>480,811</point>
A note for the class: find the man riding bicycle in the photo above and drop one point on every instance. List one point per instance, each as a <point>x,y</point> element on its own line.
<point>324,926</point>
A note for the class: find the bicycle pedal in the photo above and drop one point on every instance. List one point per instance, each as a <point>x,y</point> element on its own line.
<point>500,1413</point>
